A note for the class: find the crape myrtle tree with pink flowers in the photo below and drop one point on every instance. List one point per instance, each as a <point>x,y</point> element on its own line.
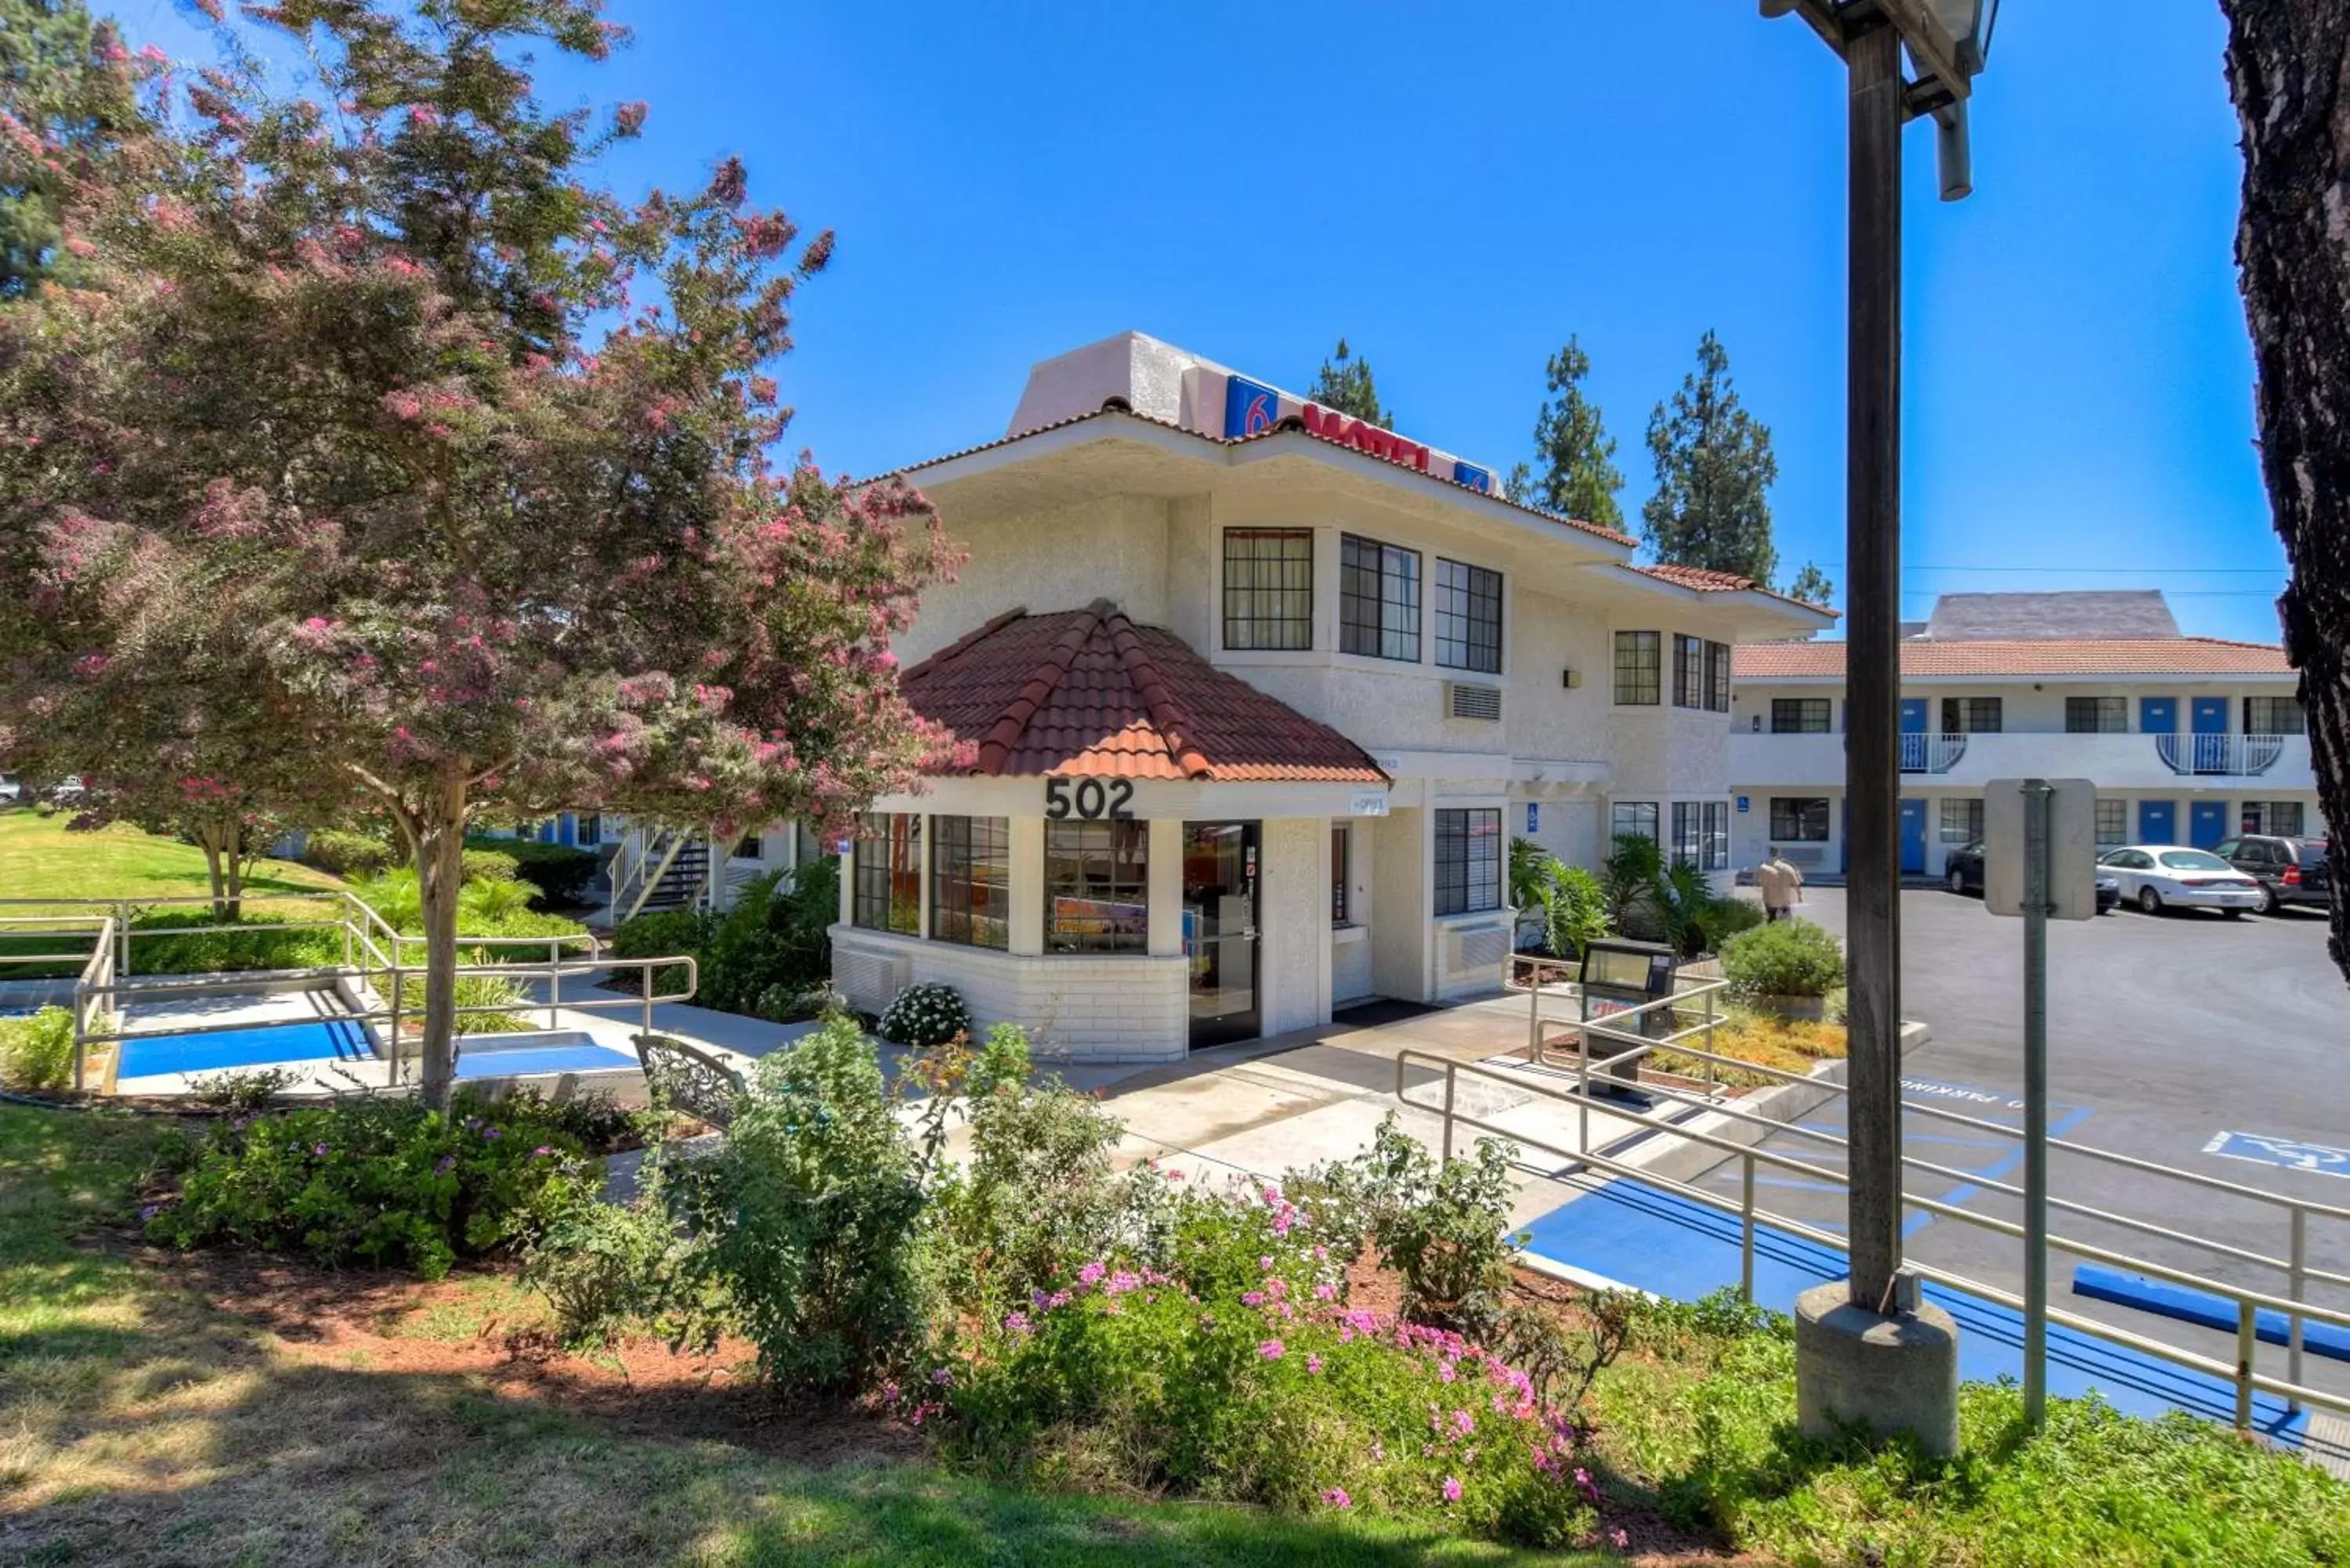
<point>444,477</point>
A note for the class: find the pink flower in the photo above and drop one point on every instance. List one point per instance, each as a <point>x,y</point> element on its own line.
<point>1265,1263</point>
<point>1336,1498</point>
<point>1312,1364</point>
<point>1273,1350</point>
<point>1091,1274</point>
<point>1326,1293</point>
<point>1587,1486</point>
<point>1619,1539</point>
<point>1451,1489</point>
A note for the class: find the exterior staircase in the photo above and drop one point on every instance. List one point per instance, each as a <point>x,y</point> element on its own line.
<point>661,867</point>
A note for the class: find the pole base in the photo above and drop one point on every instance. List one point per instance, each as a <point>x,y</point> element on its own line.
<point>1887,1376</point>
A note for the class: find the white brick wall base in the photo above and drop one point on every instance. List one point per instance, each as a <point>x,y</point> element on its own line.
<point>1123,1008</point>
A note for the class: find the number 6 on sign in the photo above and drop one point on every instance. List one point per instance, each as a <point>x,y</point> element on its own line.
<point>1092,800</point>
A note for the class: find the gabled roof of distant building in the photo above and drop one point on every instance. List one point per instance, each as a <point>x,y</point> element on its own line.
<point>1089,693</point>
<point>2024,656</point>
<point>2103,614</point>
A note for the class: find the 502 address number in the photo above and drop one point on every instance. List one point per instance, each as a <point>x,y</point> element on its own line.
<point>1090,800</point>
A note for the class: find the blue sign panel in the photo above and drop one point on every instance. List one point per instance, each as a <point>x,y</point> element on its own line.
<point>1474,477</point>
<point>1249,409</point>
<point>2291,1153</point>
<point>1534,816</point>
<point>1745,805</point>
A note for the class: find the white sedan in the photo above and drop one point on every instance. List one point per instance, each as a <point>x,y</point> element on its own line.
<point>2157,876</point>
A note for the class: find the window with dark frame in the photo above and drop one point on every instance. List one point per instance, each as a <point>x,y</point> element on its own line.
<point>1799,819</point>
<point>1800,716</point>
<point>1689,832</point>
<point>751,845</point>
<point>1688,671</point>
<point>2274,716</point>
<point>1633,819</point>
<point>1340,838</point>
<point>2113,822</point>
<point>1717,677</point>
<point>1971,715</point>
<point>1096,887</point>
<point>1717,837</point>
<point>1639,675</point>
<point>1467,860</point>
<point>1962,821</point>
<point>971,880</point>
<point>886,869</point>
<point>1379,599</point>
<point>2095,715</point>
<point>1268,589</point>
<point>1468,616</point>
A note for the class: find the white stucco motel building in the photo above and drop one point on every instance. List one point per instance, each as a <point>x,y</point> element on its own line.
<point>1258,696</point>
<point>2189,739</point>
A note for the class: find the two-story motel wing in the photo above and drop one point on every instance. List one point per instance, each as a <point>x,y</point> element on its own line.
<point>1258,696</point>
<point>2189,739</point>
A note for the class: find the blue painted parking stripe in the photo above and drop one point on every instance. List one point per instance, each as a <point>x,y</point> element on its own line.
<point>1960,1194</point>
<point>2167,1300</point>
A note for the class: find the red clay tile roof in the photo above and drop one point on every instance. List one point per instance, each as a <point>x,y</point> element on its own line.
<point>1706,580</point>
<point>1088,692</point>
<point>1287,427</point>
<point>2152,656</point>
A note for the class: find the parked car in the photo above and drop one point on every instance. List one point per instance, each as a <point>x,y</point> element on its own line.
<point>10,790</point>
<point>1962,871</point>
<point>2289,871</point>
<point>2159,877</point>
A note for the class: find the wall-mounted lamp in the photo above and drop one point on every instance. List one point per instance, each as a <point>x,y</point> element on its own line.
<point>1570,679</point>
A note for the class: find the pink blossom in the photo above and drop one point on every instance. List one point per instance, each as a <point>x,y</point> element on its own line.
<point>1619,1539</point>
<point>1451,1489</point>
<point>1336,1498</point>
<point>1091,1274</point>
<point>1312,1364</point>
<point>1273,1350</point>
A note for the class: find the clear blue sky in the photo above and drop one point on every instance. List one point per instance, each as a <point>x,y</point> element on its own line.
<point>1457,191</point>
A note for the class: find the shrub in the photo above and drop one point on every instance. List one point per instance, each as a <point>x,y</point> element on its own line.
<point>607,1269</point>
<point>492,866</point>
<point>560,872</point>
<point>664,933</point>
<point>260,942</point>
<point>776,935</point>
<point>1718,920</point>
<point>1574,910</point>
<point>1788,958</point>
<point>244,1090</point>
<point>383,1181</point>
<point>37,1053</point>
<point>925,1015</point>
<point>485,991</point>
<point>348,853</point>
<point>808,1219</point>
<point>1231,1373</point>
<point>1442,1228</point>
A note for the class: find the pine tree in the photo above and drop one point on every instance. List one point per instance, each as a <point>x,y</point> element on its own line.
<point>1344,385</point>
<point>64,81</point>
<point>1812,585</point>
<point>1714,471</point>
<point>1580,478</point>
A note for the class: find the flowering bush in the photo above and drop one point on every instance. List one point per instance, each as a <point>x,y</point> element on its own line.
<point>1235,1371</point>
<point>386,1181</point>
<point>925,1015</point>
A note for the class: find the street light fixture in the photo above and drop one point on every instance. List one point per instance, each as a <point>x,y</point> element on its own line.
<point>1869,1351</point>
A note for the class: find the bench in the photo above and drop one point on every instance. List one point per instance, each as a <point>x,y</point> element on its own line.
<point>683,1077</point>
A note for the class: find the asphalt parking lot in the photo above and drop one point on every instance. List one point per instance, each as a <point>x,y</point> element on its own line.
<point>2165,1034</point>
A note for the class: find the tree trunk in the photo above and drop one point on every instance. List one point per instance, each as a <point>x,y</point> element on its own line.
<point>208,835</point>
<point>233,866</point>
<point>2289,70</point>
<point>440,876</point>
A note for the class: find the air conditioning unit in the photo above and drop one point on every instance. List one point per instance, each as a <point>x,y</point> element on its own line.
<point>870,979</point>
<point>1473,699</point>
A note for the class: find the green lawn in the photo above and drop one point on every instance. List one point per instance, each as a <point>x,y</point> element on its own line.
<point>40,859</point>
<point>139,1428</point>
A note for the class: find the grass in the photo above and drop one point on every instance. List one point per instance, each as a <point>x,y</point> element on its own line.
<point>40,859</point>
<point>139,1427</point>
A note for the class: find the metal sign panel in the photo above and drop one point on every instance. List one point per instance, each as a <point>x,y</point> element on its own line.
<point>2072,848</point>
<point>1367,803</point>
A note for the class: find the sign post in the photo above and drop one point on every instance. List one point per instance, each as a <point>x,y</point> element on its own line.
<point>2039,859</point>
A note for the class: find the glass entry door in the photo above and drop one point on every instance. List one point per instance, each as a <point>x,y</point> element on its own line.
<point>1220,940</point>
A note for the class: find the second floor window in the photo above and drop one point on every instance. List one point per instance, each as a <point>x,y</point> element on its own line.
<point>887,892</point>
<point>1971,715</point>
<point>1468,617</point>
<point>1688,672</point>
<point>1268,589</point>
<point>1467,860</point>
<point>1379,599</point>
<point>1717,677</point>
<point>2274,716</point>
<point>1639,676</point>
<point>2095,715</point>
<point>1799,715</point>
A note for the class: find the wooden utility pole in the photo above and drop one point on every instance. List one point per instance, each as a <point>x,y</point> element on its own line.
<point>1872,658</point>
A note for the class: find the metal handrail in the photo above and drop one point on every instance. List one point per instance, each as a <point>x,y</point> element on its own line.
<point>2247,1301</point>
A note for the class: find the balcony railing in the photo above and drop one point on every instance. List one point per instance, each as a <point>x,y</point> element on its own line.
<point>1924,754</point>
<point>2226,755</point>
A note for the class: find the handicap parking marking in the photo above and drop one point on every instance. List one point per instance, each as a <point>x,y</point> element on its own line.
<point>2292,1154</point>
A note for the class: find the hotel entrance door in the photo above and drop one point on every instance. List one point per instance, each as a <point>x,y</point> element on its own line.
<point>1220,940</point>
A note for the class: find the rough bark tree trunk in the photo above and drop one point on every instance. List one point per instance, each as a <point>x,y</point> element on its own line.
<point>233,869</point>
<point>440,876</point>
<point>208,837</point>
<point>2289,71</point>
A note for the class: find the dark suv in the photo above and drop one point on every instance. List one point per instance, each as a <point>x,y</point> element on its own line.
<point>2289,871</point>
